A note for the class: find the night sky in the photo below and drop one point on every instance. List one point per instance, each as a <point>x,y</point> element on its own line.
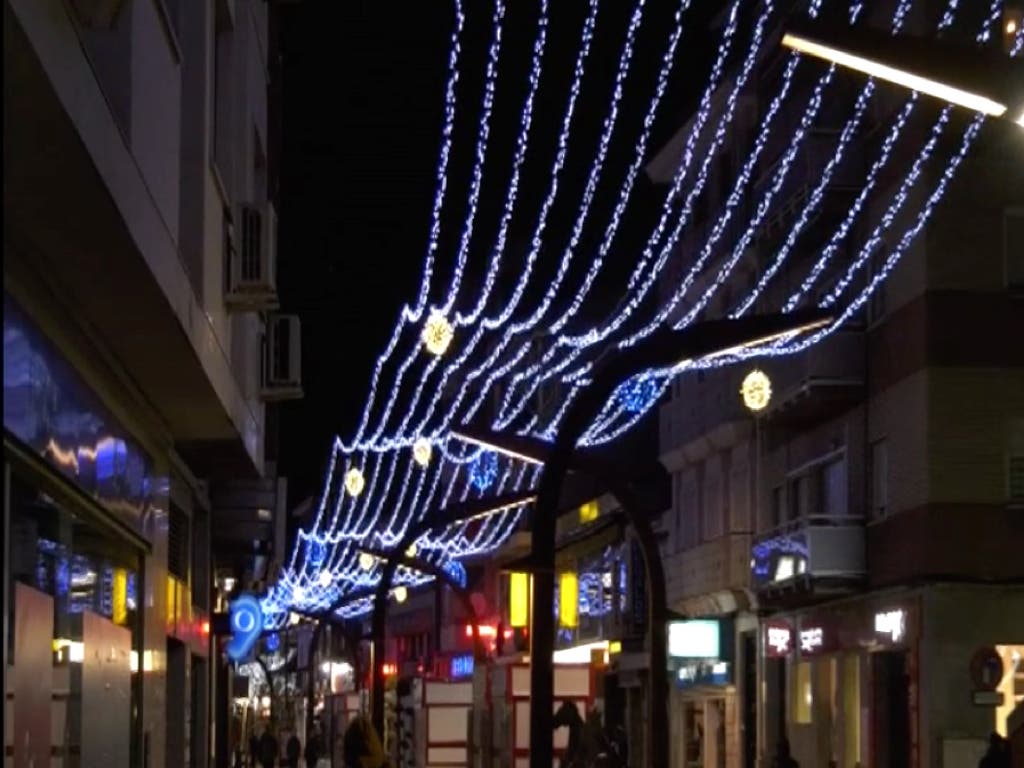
<point>363,85</point>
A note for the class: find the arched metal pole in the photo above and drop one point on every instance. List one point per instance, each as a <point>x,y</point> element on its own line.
<point>661,349</point>
<point>380,613</point>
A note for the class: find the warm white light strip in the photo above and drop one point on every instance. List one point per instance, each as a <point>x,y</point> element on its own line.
<point>909,80</point>
<point>579,654</point>
<point>496,448</point>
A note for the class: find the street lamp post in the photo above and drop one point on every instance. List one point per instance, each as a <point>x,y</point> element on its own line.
<point>662,349</point>
<point>639,509</point>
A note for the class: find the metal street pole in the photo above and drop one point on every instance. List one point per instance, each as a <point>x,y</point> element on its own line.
<point>434,519</point>
<point>661,349</point>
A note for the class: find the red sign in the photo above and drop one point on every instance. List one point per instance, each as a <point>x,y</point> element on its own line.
<point>986,669</point>
<point>778,639</point>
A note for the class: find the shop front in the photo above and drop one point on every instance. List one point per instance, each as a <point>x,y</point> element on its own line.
<point>704,700</point>
<point>80,502</point>
<point>840,682</point>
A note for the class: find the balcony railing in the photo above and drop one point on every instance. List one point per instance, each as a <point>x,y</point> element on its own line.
<point>818,553</point>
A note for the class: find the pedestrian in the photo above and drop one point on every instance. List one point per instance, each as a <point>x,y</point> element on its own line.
<point>292,750</point>
<point>998,754</point>
<point>312,750</point>
<point>783,758</point>
<point>268,749</point>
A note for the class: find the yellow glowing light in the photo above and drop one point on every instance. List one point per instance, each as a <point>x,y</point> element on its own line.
<point>437,334</point>
<point>943,91</point>
<point>518,599</point>
<point>119,596</point>
<point>354,482</point>
<point>401,594</point>
<point>615,646</point>
<point>421,451</point>
<point>411,551</point>
<point>756,390</point>
<point>568,600</point>
<point>366,561</point>
<point>1011,27</point>
<point>589,512</point>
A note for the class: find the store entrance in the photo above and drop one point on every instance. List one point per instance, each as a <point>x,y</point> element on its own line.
<point>891,711</point>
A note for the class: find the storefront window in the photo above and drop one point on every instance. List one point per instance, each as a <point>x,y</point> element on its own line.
<point>75,631</point>
<point>803,696</point>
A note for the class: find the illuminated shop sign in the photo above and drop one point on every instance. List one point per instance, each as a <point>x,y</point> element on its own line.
<point>778,640</point>
<point>891,624</point>
<point>697,639</point>
<point>704,673</point>
<point>811,639</point>
<point>246,627</point>
<point>461,666</point>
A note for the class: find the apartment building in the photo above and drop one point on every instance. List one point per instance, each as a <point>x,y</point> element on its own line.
<point>142,352</point>
<point>856,544</point>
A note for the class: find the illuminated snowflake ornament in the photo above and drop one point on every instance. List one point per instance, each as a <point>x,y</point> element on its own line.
<point>636,394</point>
<point>354,482</point>
<point>316,552</point>
<point>437,334</point>
<point>756,390</point>
<point>484,470</point>
<point>421,451</point>
<point>457,572</point>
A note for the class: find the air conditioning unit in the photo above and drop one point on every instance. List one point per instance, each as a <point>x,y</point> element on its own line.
<point>282,359</point>
<point>251,253</point>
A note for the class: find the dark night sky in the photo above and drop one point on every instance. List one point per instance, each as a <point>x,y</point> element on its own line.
<point>363,84</point>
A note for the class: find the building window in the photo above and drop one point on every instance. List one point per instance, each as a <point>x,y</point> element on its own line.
<point>777,507</point>
<point>799,498</point>
<point>1015,477</point>
<point>178,544</point>
<point>879,480</point>
<point>1013,247</point>
<point>833,488</point>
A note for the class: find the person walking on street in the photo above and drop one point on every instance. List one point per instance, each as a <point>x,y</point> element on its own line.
<point>312,750</point>
<point>998,754</point>
<point>268,749</point>
<point>292,750</point>
<point>783,759</point>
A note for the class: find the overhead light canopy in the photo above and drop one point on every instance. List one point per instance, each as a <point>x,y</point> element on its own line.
<point>977,79</point>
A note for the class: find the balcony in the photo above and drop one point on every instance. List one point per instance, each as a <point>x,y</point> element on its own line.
<point>819,384</point>
<point>819,555</point>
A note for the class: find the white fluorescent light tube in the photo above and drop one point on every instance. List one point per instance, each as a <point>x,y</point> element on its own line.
<point>496,448</point>
<point>501,508</point>
<point>756,342</point>
<point>943,91</point>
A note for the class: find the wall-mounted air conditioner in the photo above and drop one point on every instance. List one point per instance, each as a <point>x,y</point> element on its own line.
<point>251,253</point>
<point>282,359</point>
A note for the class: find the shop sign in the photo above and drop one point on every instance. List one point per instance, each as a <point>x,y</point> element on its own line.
<point>891,624</point>
<point>816,638</point>
<point>986,669</point>
<point>246,617</point>
<point>696,639</point>
<point>704,673</point>
<point>461,666</point>
<point>778,640</point>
